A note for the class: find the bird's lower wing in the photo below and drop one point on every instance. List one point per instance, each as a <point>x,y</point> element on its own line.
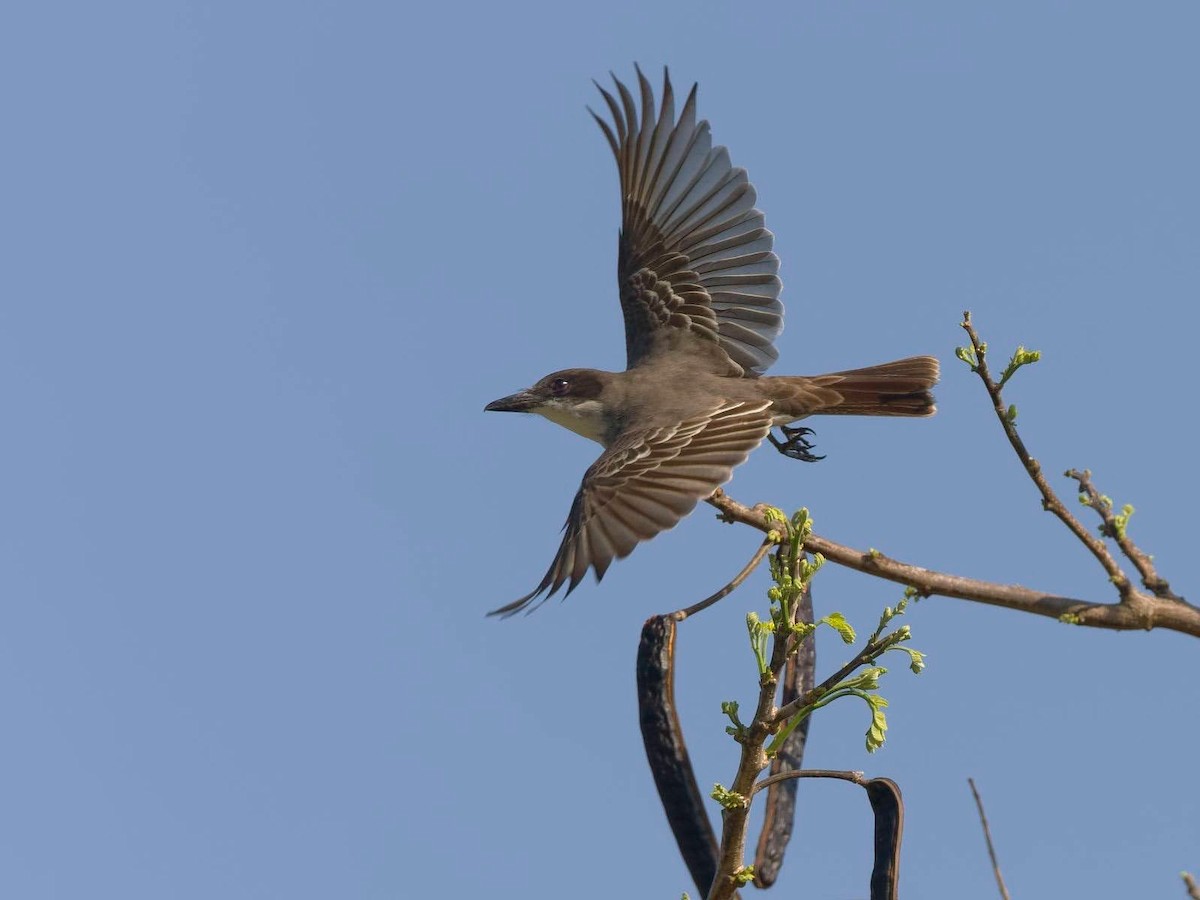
<point>645,483</point>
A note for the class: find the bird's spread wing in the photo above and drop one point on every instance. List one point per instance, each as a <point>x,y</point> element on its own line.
<point>645,483</point>
<point>694,255</point>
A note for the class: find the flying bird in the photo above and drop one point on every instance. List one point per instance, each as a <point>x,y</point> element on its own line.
<point>699,289</point>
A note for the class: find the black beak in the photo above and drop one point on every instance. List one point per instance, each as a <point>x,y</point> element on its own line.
<point>521,401</point>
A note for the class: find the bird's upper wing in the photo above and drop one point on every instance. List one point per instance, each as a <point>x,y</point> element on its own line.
<point>645,483</point>
<point>693,255</point>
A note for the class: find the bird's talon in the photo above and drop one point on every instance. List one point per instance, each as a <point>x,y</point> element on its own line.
<point>795,444</point>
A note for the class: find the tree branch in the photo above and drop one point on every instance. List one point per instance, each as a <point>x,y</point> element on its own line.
<point>1138,611</point>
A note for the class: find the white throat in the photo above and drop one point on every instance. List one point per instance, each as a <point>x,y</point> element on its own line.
<point>585,418</point>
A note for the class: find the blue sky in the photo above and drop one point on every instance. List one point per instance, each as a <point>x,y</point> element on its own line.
<point>265,264</point>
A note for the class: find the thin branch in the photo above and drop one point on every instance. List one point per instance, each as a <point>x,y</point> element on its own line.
<point>857,777</point>
<point>1091,497</point>
<point>987,836</point>
<point>1190,883</point>
<point>1139,611</point>
<point>1050,501</point>
<point>1118,532</point>
<point>870,652</point>
<point>759,555</point>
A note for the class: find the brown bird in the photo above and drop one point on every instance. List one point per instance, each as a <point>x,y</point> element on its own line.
<point>699,289</point>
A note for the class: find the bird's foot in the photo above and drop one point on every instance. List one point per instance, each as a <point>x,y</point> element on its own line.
<point>795,444</point>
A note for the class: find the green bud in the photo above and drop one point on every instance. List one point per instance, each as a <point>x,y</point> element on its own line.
<point>1121,521</point>
<point>866,680</point>
<point>803,629</point>
<point>727,798</point>
<point>774,514</point>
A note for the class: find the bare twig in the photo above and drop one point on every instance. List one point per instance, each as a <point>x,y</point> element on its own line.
<point>987,836</point>
<point>1111,527</point>
<point>1192,888</point>
<point>741,576</point>
<point>855,776</point>
<point>1138,611</point>
<point>1117,531</point>
<point>1050,500</point>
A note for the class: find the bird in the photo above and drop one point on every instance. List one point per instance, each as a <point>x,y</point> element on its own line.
<point>699,287</point>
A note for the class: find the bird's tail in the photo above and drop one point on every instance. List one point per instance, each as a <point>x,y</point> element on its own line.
<point>899,388</point>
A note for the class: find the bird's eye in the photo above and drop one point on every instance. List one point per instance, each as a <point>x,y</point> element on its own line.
<point>559,387</point>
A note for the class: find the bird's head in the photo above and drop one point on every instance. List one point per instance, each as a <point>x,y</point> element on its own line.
<point>570,398</point>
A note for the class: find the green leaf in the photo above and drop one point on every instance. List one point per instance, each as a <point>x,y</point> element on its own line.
<point>876,734</point>
<point>916,659</point>
<point>838,623</point>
